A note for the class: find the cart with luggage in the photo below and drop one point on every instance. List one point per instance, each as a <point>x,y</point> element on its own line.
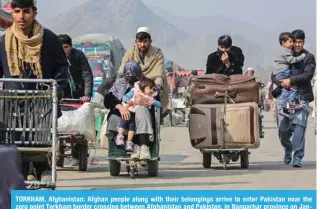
<point>72,139</point>
<point>29,121</point>
<point>224,118</point>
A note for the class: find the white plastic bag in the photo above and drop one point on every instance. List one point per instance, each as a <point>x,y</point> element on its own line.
<point>103,137</point>
<point>80,121</point>
<point>98,101</point>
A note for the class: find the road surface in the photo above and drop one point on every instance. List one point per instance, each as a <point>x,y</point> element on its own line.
<point>181,168</point>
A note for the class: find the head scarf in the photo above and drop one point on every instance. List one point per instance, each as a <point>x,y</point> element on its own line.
<point>121,85</point>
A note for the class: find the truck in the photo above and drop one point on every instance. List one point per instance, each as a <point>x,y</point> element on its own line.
<point>6,19</point>
<point>104,53</point>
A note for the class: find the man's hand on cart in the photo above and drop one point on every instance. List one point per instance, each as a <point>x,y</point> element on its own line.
<point>85,99</point>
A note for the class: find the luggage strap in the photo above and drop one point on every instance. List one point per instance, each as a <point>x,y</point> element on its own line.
<point>227,99</point>
<point>227,96</point>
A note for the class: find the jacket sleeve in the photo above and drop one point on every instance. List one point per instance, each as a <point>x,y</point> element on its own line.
<point>157,104</point>
<point>111,101</point>
<point>291,59</point>
<point>159,80</point>
<point>238,62</point>
<point>60,70</point>
<point>211,66</point>
<point>308,73</point>
<point>105,86</point>
<point>86,74</point>
<point>127,96</point>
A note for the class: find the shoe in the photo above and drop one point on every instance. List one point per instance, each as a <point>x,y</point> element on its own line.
<point>287,157</point>
<point>145,153</point>
<point>136,152</point>
<point>119,140</point>
<point>129,146</point>
<point>30,177</point>
<point>297,163</point>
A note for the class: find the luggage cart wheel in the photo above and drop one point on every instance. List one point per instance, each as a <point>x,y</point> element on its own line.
<point>153,167</point>
<point>225,161</point>
<point>47,177</point>
<point>244,159</point>
<point>206,160</point>
<point>83,156</point>
<point>114,167</point>
<point>128,168</point>
<point>133,171</point>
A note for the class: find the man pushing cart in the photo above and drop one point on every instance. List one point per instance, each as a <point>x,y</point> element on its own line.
<point>34,67</point>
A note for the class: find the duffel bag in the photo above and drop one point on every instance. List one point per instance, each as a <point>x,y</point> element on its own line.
<point>210,89</point>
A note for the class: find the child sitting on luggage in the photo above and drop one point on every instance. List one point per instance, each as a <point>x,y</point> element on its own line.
<point>288,99</point>
<point>145,89</point>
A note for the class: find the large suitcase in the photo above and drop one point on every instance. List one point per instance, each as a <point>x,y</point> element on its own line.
<point>206,128</point>
<point>210,89</point>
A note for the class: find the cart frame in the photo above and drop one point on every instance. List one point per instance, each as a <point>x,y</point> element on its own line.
<point>73,141</point>
<point>40,106</point>
<point>225,154</point>
<point>132,164</point>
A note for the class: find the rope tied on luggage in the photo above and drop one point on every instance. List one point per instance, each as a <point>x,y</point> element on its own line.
<point>227,99</point>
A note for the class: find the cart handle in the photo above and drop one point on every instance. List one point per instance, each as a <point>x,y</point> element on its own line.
<point>66,100</point>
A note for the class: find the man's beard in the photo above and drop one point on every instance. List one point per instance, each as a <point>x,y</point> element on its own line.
<point>143,50</point>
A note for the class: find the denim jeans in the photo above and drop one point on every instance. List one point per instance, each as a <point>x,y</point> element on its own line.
<point>287,95</point>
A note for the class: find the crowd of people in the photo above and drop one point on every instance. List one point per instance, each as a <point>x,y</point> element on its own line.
<point>28,50</point>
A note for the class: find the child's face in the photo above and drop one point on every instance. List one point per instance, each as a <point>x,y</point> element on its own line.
<point>288,44</point>
<point>149,91</point>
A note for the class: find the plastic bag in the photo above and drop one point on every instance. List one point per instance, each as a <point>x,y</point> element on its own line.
<point>103,137</point>
<point>80,121</point>
<point>98,101</point>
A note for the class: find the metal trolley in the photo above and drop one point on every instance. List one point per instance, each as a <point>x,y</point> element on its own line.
<point>76,143</point>
<point>28,120</point>
<point>117,156</point>
<point>224,154</point>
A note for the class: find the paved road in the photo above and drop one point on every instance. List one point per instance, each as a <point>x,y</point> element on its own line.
<point>181,168</point>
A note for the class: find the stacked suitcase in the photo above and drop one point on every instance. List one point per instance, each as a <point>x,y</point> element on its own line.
<point>214,123</point>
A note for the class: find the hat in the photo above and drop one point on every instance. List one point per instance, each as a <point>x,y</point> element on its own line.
<point>144,30</point>
<point>250,69</point>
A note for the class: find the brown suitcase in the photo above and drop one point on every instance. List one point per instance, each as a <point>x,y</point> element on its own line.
<point>206,128</point>
<point>210,89</point>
